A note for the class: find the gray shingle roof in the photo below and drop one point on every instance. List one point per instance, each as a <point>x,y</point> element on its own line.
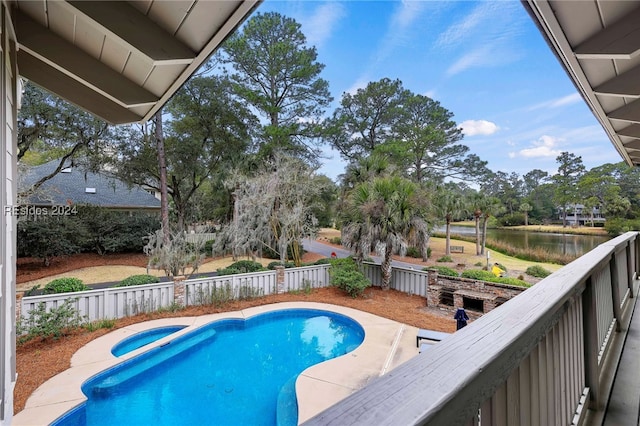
<point>72,187</point>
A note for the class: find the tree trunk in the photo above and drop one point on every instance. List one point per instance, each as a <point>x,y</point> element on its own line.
<point>162,166</point>
<point>526,218</point>
<point>448,238</point>
<point>385,268</point>
<point>484,233</point>
<point>477,220</point>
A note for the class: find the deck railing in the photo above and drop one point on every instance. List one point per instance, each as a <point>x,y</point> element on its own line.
<point>546,357</point>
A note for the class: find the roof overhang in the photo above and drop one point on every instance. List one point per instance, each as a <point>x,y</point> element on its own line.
<point>120,60</point>
<point>598,44</point>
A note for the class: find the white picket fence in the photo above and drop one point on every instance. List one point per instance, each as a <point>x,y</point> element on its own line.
<point>119,302</point>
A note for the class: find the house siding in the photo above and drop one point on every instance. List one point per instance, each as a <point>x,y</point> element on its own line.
<point>8,140</point>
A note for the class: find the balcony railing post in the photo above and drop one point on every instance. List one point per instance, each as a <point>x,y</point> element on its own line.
<point>632,263</point>
<point>615,290</point>
<point>590,327</point>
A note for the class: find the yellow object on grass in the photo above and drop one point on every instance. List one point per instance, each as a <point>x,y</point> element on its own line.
<point>497,271</point>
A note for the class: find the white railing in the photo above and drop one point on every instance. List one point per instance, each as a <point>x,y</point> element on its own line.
<point>406,280</point>
<point>546,357</point>
<point>306,277</point>
<point>237,286</point>
<point>117,302</point>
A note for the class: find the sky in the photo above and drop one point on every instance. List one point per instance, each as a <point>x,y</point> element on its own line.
<point>485,62</point>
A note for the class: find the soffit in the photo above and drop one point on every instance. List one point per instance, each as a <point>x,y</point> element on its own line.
<point>598,44</point>
<point>121,60</point>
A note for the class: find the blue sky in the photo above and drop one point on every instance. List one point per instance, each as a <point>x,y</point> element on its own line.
<point>485,62</point>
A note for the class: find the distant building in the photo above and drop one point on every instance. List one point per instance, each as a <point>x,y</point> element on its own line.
<point>579,215</point>
<point>75,185</point>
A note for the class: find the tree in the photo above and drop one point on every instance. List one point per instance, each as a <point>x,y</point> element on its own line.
<point>385,215</point>
<point>570,170</point>
<point>448,205</point>
<point>492,207</point>
<point>426,143</point>
<point>51,128</point>
<point>278,75</point>
<point>526,208</point>
<point>476,204</point>
<point>366,119</point>
<point>272,209</point>
<point>209,132</point>
<point>532,180</point>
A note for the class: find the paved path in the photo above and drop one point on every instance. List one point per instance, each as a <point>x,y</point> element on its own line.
<point>326,250</point>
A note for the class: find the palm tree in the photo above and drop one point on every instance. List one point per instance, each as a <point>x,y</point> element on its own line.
<point>449,205</point>
<point>476,204</point>
<point>382,215</point>
<point>493,207</point>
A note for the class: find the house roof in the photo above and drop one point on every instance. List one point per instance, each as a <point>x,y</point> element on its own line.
<point>598,44</point>
<point>77,185</point>
<point>120,60</point>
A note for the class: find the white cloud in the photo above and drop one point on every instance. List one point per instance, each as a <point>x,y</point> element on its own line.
<point>360,83</point>
<point>478,127</point>
<point>558,102</point>
<point>458,31</point>
<point>430,94</point>
<point>475,58</point>
<point>319,27</point>
<point>543,147</point>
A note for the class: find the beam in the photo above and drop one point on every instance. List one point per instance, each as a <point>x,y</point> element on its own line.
<point>618,41</point>
<point>128,24</point>
<point>70,89</point>
<point>626,84</point>
<point>43,44</point>
<point>629,112</point>
<point>632,145</point>
<point>632,131</point>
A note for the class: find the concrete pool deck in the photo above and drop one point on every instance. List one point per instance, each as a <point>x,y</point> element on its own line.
<point>386,345</point>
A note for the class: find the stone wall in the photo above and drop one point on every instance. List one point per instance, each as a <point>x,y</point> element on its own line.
<point>467,293</point>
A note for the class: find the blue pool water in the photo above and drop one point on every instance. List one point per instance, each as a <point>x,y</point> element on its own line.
<point>230,372</point>
<point>138,340</point>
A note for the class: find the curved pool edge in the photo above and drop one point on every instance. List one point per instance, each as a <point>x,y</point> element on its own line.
<point>332,380</point>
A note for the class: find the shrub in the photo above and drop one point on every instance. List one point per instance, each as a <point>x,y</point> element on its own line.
<point>476,274</point>
<point>514,219</point>
<point>323,261</point>
<point>47,238</point>
<point>537,271</point>
<point>97,325</point>
<point>65,285</point>
<point>138,280</point>
<point>445,259</point>
<point>270,253</point>
<point>272,265</point>
<point>43,323</point>
<point>247,266</point>
<point>414,252</point>
<point>345,275</point>
<point>478,264</point>
<point>336,240</point>
<point>442,270</point>
<point>228,271</point>
<point>175,256</point>
<point>208,247</point>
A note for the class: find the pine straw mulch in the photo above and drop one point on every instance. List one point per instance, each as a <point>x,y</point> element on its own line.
<point>39,360</point>
<point>30,268</point>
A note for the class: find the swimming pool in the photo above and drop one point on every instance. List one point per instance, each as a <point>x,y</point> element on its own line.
<point>143,338</point>
<point>229,372</point>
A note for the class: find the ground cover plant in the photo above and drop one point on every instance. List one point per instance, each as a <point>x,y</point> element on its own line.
<point>65,285</point>
<point>478,274</point>
<point>138,280</point>
<point>442,270</point>
<point>537,271</point>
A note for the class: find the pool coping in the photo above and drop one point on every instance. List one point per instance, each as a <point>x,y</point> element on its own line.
<point>386,345</point>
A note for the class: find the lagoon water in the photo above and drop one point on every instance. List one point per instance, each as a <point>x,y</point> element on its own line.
<point>572,245</point>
